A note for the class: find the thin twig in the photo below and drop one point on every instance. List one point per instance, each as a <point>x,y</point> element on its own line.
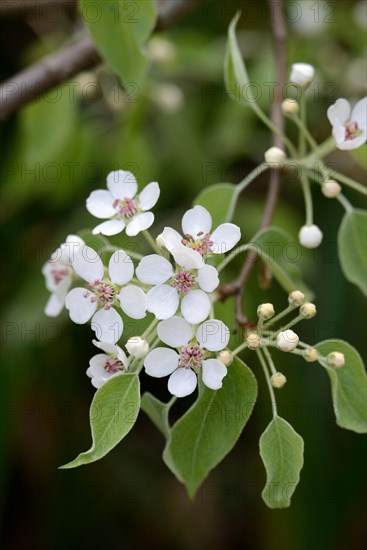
<point>279,31</point>
<point>59,67</point>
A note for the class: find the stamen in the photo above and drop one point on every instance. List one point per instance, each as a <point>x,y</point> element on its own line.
<point>113,365</point>
<point>58,275</point>
<point>201,244</point>
<point>183,281</point>
<point>126,207</point>
<point>102,292</point>
<point>352,131</point>
<point>191,357</point>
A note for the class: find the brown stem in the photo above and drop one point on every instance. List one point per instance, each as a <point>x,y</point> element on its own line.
<point>59,67</point>
<point>237,287</point>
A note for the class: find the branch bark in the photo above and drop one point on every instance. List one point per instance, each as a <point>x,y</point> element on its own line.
<point>279,32</point>
<point>59,67</point>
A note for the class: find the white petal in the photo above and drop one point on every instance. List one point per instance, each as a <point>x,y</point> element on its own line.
<point>213,335</point>
<point>161,362</point>
<point>54,306</point>
<point>108,325</point>
<point>213,373</point>
<point>162,301</point>
<point>350,144</point>
<point>88,264</point>
<point>196,220</point>
<point>187,257</point>
<point>122,184</point>
<point>359,114</point>
<point>70,247</point>
<point>149,196</point>
<point>338,132</point>
<point>133,301</point>
<point>171,238</point>
<point>96,365</point>
<point>340,111</point>
<point>225,237</point>
<point>99,204</point>
<point>140,222</point>
<point>154,270</point>
<point>80,308</point>
<point>182,382</point>
<point>175,332</point>
<point>195,306</point>
<point>207,278</point>
<point>109,228</point>
<point>120,268</point>
<point>112,349</point>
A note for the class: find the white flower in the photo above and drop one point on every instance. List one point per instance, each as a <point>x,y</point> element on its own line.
<point>302,74</point>
<point>122,206</point>
<point>275,157</point>
<point>58,273</point>
<point>104,292</point>
<point>193,354</point>
<point>310,236</point>
<point>349,127</point>
<point>104,366</point>
<point>331,189</point>
<point>137,346</point>
<point>287,340</point>
<point>188,284</point>
<point>196,227</point>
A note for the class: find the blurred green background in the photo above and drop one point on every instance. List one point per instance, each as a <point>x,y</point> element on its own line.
<point>181,130</point>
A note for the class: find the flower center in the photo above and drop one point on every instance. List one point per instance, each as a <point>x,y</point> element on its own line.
<point>191,357</point>
<point>201,244</point>
<point>126,207</point>
<point>183,281</point>
<point>101,291</point>
<point>352,131</point>
<point>113,365</point>
<point>59,274</point>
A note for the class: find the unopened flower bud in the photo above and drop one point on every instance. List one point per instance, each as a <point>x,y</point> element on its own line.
<point>331,189</point>
<point>310,236</point>
<point>160,241</point>
<point>275,157</point>
<point>278,380</point>
<point>310,355</point>
<point>226,357</point>
<point>308,310</point>
<point>253,340</point>
<point>296,298</point>
<point>265,311</point>
<point>290,107</point>
<point>287,340</point>
<point>336,359</point>
<point>137,346</point>
<point>302,74</point>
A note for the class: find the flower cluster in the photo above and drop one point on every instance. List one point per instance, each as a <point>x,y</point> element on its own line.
<point>176,285</point>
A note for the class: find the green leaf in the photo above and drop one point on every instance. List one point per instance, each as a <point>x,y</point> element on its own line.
<point>218,199</point>
<point>348,386</point>
<point>235,73</point>
<point>113,412</point>
<point>279,252</point>
<point>157,412</point>
<point>281,450</point>
<point>352,241</point>
<point>203,436</point>
<point>119,29</point>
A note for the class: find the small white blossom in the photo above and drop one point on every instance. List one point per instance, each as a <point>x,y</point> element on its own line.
<point>275,157</point>
<point>302,74</point>
<point>196,228</point>
<point>121,205</point>
<point>296,298</point>
<point>331,189</point>
<point>308,310</point>
<point>336,359</point>
<point>290,107</point>
<point>105,292</point>
<point>191,354</point>
<point>310,355</point>
<point>310,236</point>
<point>137,346</point>
<point>107,365</point>
<point>278,380</point>
<point>287,340</point>
<point>265,311</point>
<point>349,127</point>
<point>59,273</point>
<point>188,285</point>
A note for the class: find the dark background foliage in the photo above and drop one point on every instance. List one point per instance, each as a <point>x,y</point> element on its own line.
<point>182,131</point>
